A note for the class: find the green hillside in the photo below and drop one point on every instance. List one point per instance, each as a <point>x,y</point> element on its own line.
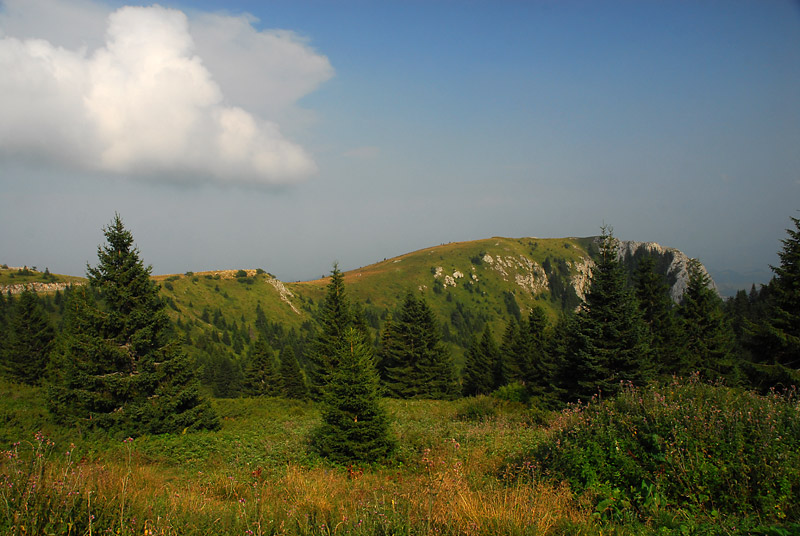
<point>467,284</point>
<point>13,279</point>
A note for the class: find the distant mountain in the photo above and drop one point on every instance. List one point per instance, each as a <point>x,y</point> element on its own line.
<point>467,284</point>
<point>730,282</point>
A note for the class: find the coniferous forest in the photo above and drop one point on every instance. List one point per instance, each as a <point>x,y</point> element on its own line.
<point>231,403</point>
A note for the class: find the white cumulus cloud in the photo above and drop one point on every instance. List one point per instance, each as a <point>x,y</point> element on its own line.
<point>158,96</point>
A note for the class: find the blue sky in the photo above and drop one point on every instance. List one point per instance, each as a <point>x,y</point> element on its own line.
<point>376,128</point>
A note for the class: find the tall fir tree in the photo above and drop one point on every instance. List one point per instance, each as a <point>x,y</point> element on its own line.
<point>420,366</point>
<point>29,340</point>
<point>389,352</point>
<point>479,365</point>
<point>5,306</point>
<point>658,312</point>
<point>775,338</point>
<point>336,316</point>
<point>262,376</point>
<point>609,340</point>
<point>541,374</point>
<point>119,365</point>
<point>292,378</point>
<point>505,370</point>
<point>708,337</point>
<point>355,427</point>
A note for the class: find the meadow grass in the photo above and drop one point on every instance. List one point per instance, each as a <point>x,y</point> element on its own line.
<point>456,471</point>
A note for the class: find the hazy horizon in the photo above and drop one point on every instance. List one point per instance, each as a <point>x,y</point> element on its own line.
<point>289,135</point>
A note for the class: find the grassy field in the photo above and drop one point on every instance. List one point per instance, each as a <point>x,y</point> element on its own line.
<point>463,467</point>
<point>383,285</point>
<point>13,277</point>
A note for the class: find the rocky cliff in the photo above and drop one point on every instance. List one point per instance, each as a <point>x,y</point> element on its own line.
<point>671,262</point>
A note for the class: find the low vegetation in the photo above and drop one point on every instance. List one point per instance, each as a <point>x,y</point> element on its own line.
<point>692,424</point>
<point>681,458</point>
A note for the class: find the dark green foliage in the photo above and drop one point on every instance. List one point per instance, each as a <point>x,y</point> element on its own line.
<point>415,363</point>
<point>335,317</point>
<point>541,368</point>
<point>695,447</point>
<point>292,378</point>
<point>479,365</point>
<point>355,427</point>
<point>785,299</point>
<point>512,307</point>
<point>526,356</point>
<point>657,308</point>
<point>774,339</point>
<point>223,373</point>
<point>505,370</point>
<point>708,337</point>
<point>262,377</point>
<point>28,341</point>
<point>562,292</point>
<point>5,306</point>
<point>118,365</point>
<point>609,341</point>
<point>465,322</point>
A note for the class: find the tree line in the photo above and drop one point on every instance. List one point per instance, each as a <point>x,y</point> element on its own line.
<point>117,362</point>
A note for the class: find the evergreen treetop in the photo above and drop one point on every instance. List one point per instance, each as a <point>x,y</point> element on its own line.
<point>658,313</point>
<point>774,336</point>
<point>708,337</point>
<point>608,342</point>
<point>120,366</point>
<point>29,340</point>
<point>479,365</point>
<point>292,378</point>
<point>419,365</point>
<point>355,427</point>
<point>262,377</point>
<point>785,298</point>
<point>335,317</point>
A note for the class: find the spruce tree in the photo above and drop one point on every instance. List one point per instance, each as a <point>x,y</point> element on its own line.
<point>355,427</point>
<point>608,343</point>
<point>708,337</point>
<point>775,339</point>
<point>5,305</point>
<point>262,376</point>
<point>505,370</point>
<point>119,365</point>
<point>541,373</point>
<point>292,378</point>
<point>421,365</point>
<point>336,316</point>
<point>658,312</point>
<point>29,340</point>
<point>517,352</point>
<point>479,365</point>
<point>391,365</point>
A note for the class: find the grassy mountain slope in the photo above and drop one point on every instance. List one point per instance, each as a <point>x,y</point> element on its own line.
<point>14,279</point>
<point>467,284</point>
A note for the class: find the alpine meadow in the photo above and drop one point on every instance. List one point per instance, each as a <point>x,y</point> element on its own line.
<point>380,400</point>
<point>399,268</point>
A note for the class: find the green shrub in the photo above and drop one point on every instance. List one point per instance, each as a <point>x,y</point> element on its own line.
<point>705,449</point>
<point>513,392</point>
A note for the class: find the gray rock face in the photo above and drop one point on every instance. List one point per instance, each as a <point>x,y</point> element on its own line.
<point>36,286</point>
<point>671,262</point>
